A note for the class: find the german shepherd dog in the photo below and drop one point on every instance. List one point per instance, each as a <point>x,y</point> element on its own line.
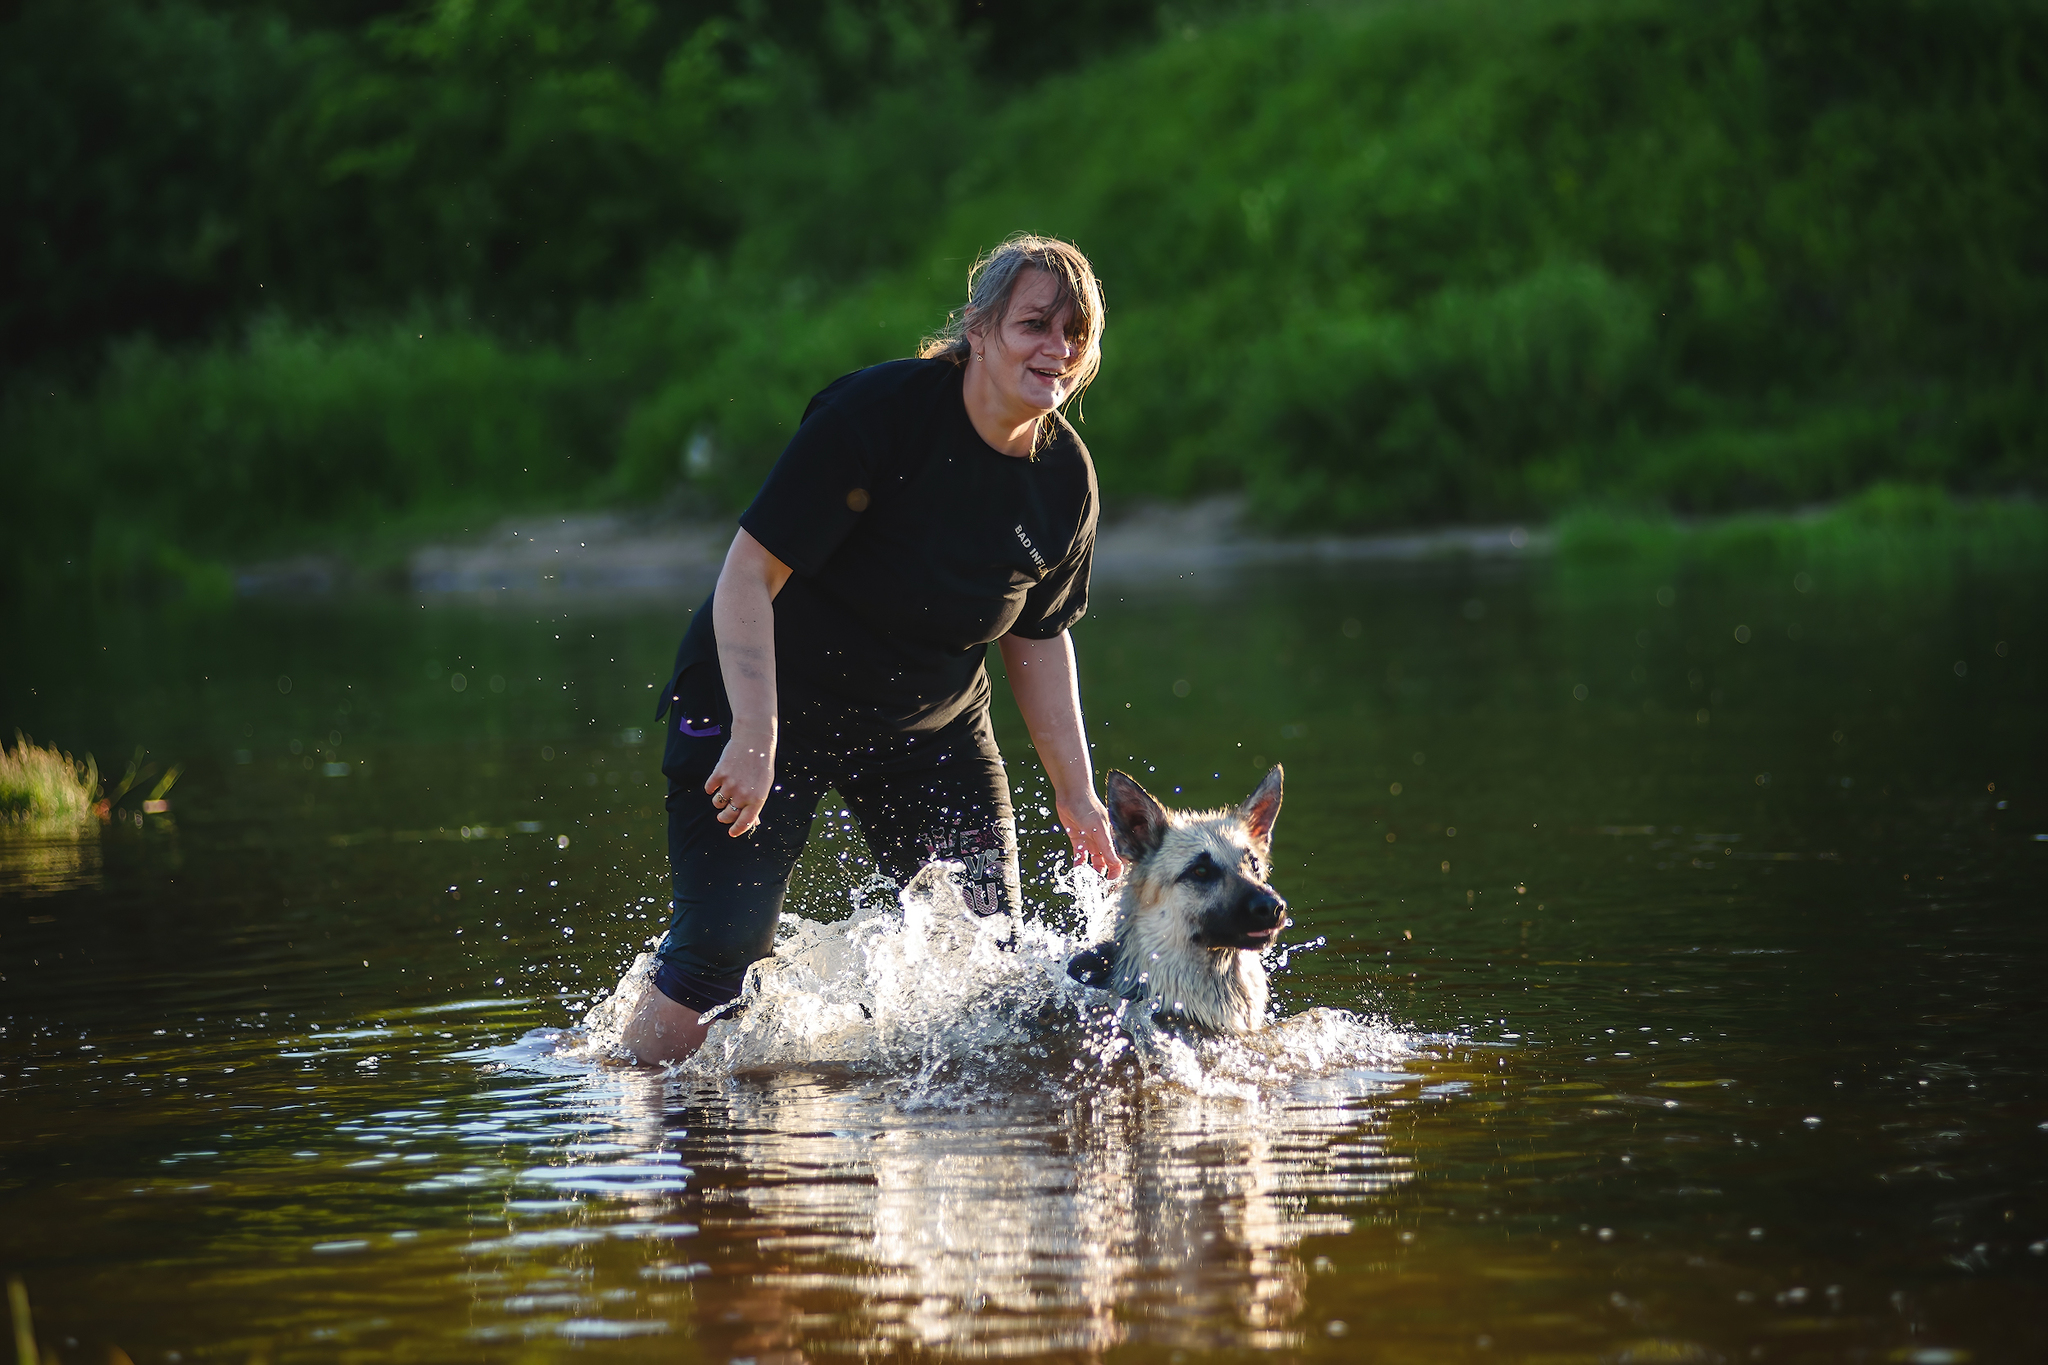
<point>1196,909</point>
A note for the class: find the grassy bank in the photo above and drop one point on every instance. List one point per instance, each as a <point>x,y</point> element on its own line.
<point>1372,264</point>
<point>178,459</point>
<point>1889,538</point>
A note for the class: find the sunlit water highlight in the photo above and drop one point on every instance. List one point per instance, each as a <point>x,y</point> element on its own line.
<point>912,984</point>
<point>977,1232</point>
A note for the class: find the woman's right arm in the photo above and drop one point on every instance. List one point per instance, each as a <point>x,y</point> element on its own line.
<point>743,612</point>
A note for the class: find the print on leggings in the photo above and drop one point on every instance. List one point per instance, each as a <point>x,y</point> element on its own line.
<point>988,881</point>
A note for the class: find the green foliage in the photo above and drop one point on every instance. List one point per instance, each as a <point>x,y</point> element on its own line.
<point>1436,411</point>
<point>125,131</point>
<point>1891,536</point>
<point>296,432</point>
<point>1372,263</point>
<point>1408,262</point>
<point>1405,262</point>
<point>44,788</point>
<point>178,167</point>
<point>512,154</point>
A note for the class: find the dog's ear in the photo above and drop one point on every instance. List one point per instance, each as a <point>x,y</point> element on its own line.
<point>1138,821</point>
<point>1262,808</point>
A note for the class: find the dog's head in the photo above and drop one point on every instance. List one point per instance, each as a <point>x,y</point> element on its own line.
<point>1207,868</point>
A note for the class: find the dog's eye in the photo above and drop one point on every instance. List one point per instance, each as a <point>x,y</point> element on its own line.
<point>1202,869</point>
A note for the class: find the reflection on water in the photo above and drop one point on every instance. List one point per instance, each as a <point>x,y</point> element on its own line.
<point>557,1199</point>
<point>984,1155</point>
<point>1026,1228</point>
<point>36,863</point>
<point>1679,999</point>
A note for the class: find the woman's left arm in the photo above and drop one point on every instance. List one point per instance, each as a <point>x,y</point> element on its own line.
<point>1043,680</point>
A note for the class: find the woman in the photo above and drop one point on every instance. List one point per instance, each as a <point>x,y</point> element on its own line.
<point>924,509</point>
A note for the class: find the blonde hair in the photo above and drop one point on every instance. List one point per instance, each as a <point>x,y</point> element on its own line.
<point>991,282</point>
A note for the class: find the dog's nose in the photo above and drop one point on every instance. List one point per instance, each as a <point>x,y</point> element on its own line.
<point>1265,909</point>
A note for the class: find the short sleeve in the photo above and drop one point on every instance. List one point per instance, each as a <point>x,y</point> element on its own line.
<point>1060,599</point>
<point>816,492</point>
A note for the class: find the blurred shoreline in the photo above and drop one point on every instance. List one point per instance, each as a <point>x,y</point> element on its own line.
<point>608,554</point>
<point>369,287</point>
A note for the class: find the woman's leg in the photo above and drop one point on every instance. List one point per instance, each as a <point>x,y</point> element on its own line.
<point>727,892</point>
<point>727,897</point>
<point>661,1031</point>
<point>946,796</point>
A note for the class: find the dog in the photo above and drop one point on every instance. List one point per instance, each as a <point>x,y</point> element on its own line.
<point>1196,909</point>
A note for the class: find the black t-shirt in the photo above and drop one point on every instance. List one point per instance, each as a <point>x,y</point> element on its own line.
<point>913,545</point>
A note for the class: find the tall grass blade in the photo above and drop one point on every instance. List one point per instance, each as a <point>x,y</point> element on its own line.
<point>24,1330</point>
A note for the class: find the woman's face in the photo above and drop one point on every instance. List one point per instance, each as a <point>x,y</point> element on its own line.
<point>1030,358</point>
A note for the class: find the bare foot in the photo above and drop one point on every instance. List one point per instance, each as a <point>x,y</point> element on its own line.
<point>660,1031</point>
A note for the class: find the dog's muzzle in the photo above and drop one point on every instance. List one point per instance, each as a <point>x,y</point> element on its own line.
<point>1251,921</point>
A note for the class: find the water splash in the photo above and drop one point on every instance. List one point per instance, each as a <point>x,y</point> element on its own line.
<point>913,985</point>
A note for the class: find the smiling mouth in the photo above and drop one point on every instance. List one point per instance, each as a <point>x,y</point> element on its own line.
<point>1054,375</point>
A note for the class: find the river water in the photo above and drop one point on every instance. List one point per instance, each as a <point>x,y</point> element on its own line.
<point>1666,984</point>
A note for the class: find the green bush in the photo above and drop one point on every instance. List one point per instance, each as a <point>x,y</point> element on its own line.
<point>126,133</point>
<point>299,433</point>
<point>1889,537</point>
<point>45,788</point>
<point>1372,263</point>
<point>1399,262</point>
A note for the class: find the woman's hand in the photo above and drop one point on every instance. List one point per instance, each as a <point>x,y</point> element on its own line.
<point>745,774</point>
<point>1087,827</point>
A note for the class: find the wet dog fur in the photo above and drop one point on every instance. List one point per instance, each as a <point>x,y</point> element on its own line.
<point>1196,910</point>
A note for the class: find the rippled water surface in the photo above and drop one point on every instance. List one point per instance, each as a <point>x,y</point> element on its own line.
<point>1660,990</point>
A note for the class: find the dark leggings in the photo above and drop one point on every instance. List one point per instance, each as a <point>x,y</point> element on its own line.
<point>939,795</point>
